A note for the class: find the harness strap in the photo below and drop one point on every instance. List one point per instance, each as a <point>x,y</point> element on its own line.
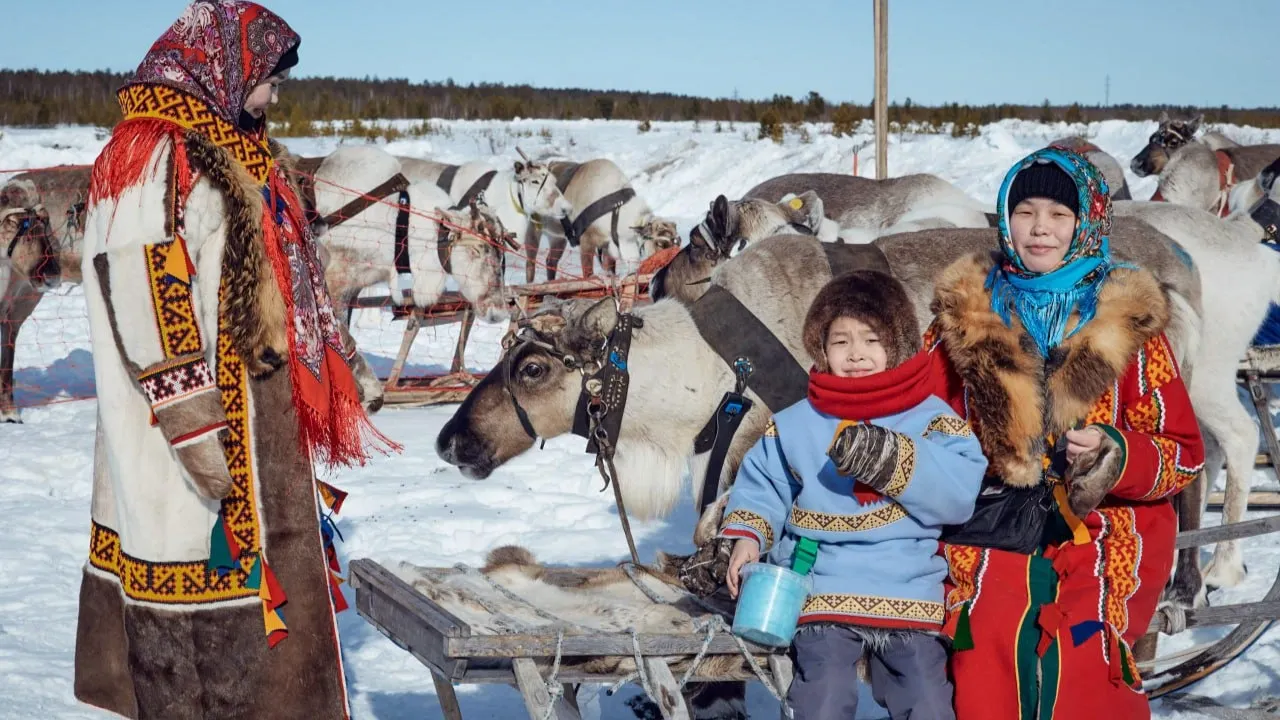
<point>445,181</point>
<point>565,176</point>
<point>395,183</point>
<point>604,396</point>
<point>848,257</point>
<point>476,188</point>
<point>596,210</point>
<point>23,227</point>
<point>403,265</point>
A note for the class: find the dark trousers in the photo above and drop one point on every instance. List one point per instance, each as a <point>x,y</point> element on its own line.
<point>908,673</point>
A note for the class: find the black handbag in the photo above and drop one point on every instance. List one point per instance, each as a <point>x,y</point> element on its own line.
<point>1005,518</point>
<point>1014,519</point>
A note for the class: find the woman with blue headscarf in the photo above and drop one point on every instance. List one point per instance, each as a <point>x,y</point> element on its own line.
<point>1057,357</point>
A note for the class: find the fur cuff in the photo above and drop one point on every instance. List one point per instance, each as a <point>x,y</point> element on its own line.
<point>1096,473</point>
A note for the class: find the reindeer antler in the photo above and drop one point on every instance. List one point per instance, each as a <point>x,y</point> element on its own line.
<point>526,157</point>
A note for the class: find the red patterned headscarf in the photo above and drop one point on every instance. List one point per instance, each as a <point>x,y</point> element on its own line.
<point>217,52</point>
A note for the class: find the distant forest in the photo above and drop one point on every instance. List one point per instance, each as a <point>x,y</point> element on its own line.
<point>37,98</point>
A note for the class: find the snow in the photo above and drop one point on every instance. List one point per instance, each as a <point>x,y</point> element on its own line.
<point>416,508</point>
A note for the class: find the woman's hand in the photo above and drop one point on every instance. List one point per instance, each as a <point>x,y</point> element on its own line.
<point>1082,441</point>
<point>745,550</point>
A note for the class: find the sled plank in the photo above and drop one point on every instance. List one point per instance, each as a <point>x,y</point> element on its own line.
<point>407,618</point>
<point>534,691</point>
<point>1267,610</point>
<point>780,668</point>
<point>1234,531</point>
<point>669,700</point>
<point>448,698</point>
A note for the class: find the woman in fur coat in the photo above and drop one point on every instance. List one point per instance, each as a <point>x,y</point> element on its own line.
<point>1058,359</point>
<point>222,375</point>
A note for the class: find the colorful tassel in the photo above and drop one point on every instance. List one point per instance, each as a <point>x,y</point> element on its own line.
<point>1080,632</point>
<point>332,496</point>
<point>224,551</point>
<point>1050,621</point>
<point>154,420</point>
<point>964,633</point>
<point>254,579</point>
<point>339,602</point>
<point>1125,670</point>
<point>1079,531</point>
<point>177,263</point>
<point>273,622</point>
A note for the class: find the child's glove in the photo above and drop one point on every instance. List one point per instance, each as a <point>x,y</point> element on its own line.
<point>703,572</point>
<point>867,453</point>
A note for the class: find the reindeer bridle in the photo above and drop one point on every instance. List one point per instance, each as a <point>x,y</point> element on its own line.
<point>1169,139</point>
<point>30,217</point>
<point>601,401</point>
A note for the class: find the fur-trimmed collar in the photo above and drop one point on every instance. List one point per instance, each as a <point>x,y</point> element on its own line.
<point>1018,397</point>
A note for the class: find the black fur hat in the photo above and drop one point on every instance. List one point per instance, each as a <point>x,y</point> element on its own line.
<point>876,299</point>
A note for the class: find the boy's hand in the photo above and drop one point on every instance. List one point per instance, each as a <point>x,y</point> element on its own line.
<point>864,452</point>
<point>1082,441</point>
<point>745,550</point>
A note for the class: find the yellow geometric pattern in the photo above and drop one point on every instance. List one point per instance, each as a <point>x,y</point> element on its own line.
<point>906,467</point>
<point>171,300</point>
<point>965,565</point>
<point>874,607</point>
<point>828,522</point>
<point>771,430</point>
<point>949,425</point>
<point>165,103</point>
<point>753,521</point>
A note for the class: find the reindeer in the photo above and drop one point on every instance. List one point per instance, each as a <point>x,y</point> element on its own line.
<point>835,208</point>
<point>1199,173</point>
<point>522,198</point>
<point>41,228</point>
<point>1110,167</point>
<point>439,242</point>
<point>861,209</point>
<point>609,220</point>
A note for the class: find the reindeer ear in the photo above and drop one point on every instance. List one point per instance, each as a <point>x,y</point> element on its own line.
<point>1164,117</point>
<point>599,321</point>
<point>1195,123</point>
<point>805,209</point>
<point>519,167</point>
<point>720,212</point>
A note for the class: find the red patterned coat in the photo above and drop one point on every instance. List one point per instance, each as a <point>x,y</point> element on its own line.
<point>1057,626</point>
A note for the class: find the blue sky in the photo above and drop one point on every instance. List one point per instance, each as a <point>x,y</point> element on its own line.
<point>1176,52</point>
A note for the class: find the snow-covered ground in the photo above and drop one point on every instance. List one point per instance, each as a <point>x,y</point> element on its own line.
<point>415,507</point>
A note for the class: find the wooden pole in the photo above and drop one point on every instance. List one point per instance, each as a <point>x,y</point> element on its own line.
<point>881,118</point>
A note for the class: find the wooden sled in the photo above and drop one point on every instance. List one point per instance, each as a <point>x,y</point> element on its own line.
<point>455,654</point>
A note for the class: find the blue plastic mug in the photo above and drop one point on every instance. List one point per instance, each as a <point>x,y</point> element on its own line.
<point>770,603</point>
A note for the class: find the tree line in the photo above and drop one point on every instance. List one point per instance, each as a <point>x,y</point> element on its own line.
<point>41,98</point>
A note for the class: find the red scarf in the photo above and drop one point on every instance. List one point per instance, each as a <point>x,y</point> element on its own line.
<point>885,393</point>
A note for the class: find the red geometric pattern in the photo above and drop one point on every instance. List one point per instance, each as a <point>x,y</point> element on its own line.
<point>176,380</point>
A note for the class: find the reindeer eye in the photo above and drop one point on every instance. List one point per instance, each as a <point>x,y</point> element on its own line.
<point>532,371</point>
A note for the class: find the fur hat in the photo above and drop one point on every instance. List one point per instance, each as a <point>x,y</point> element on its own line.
<point>876,299</point>
<point>1047,180</point>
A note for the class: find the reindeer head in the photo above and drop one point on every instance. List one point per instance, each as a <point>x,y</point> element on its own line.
<point>656,235</point>
<point>1261,196</point>
<point>477,245</point>
<point>1163,143</point>
<point>539,376</point>
<point>730,227</point>
<point>537,189</point>
<point>26,235</point>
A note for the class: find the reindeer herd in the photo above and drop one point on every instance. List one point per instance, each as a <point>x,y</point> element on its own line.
<point>413,224</point>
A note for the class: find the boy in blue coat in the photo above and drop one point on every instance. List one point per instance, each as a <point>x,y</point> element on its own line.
<point>870,466</point>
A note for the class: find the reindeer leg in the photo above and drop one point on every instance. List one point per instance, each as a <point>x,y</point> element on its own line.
<point>20,308</point>
<point>1236,433</point>
<point>588,259</point>
<point>1186,589</point>
<point>555,251</point>
<point>532,239</point>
